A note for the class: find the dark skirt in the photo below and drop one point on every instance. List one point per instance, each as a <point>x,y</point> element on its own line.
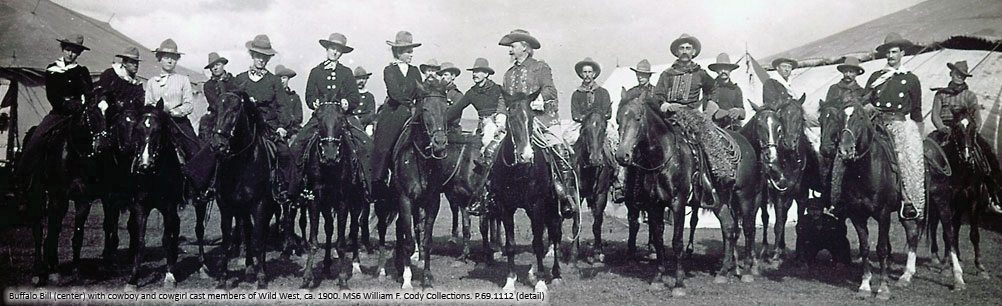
<point>390,123</point>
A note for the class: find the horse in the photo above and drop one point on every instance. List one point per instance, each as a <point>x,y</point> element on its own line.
<point>242,179</point>
<point>332,168</point>
<point>865,154</point>
<point>594,169</point>
<point>156,171</point>
<point>974,187</point>
<point>776,132</point>
<point>68,170</point>
<point>523,179</point>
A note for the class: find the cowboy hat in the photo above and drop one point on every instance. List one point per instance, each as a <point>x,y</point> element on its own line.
<point>449,67</point>
<point>587,62</point>
<point>75,40</point>
<point>643,67</point>
<point>168,46</point>
<point>403,39</point>
<point>519,35</point>
<point>781,60</point>
<point>723,62</point>
<point>360,73</point>
<point>214,58</point>
<point>960,66</point>
<point>686,38</point>
<point>431,63</point>
<point>851,62</point>
<point>261,44</point>
<point>131,53</point>
<point>281,70</point>
<point>337,40</point>
<point>894,40</point>
<point>481,64</point>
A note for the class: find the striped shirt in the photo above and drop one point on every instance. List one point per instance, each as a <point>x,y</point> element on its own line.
<point>174,89</point>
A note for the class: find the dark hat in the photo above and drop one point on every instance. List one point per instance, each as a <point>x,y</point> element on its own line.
<point>851,62</point>
<point>403,39</point>
<point>337,40</point>
<point>960,66</point>
<point>587,62</point>
<point>643,67</point>
<point>361,73</point>
<point>481,64</point>
<point>781,60</point>
<point>686,38</point>
<point>168,46</point>
<point>75,40</point>
<point>723,62</point>
<point>519,35</point>
<point>131,53</point>
<point>281,70</point>
<point>893,40</point>
<point>448,66</point>
<point>261,44</point>
<point>431,63</point>
<point>214,58</point>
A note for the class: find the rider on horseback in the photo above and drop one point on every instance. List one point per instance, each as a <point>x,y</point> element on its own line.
<point>727,95</point>
<point>533,79</point>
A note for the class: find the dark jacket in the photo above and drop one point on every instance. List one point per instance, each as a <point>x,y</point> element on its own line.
<point>683,83</point>
<point>485,99</point>
<point>292,111</point>
<point>267,94</point>
<point>773,91</point>
<point>119,93</point>
<point>401,89</point>
<point>332,85</point>
<point>366,111</point>
<point>534,77</point>
<point>841,93</point>
<point>214,87</point>
<point>454,98</point>
<point>901,94</point>
<point>65,89</point>
<point>728,95</point>
<point>583,103</point>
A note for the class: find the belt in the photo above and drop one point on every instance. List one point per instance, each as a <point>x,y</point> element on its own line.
<point>891,116</point>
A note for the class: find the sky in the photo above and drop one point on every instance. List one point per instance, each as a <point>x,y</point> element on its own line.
<point>612,33</point>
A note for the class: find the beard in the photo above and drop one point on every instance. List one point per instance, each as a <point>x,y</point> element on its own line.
<point>846,80</point>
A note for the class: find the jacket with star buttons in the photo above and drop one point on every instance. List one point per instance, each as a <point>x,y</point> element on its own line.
<point>330,82</point>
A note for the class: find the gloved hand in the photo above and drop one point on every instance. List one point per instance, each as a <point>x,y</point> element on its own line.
<point>501,120</point>
<point>738,114</point>
<point>368,130</point>
<point>670,107</point>
<point>722,113</point>
<point>344,104</point>
<point>538,104</point>
<point>103,106</point>
<point>282,132</point>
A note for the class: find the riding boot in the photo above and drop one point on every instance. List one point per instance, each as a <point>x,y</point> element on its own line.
<point>565,186</point>
<point>619,184</point>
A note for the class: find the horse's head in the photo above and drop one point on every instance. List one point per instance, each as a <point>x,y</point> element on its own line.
<point>767,130</point>
<point>331,129</point>
<point>631,117</point>
<point>230,109</point>
<point>95,129</point>
<point>592,139</point>
<point>519,127</point>
<point>149,137</point>
<point>856,133</point>
<point>431,116</point>
<point>831,119</point>
<point>791,118</point>
<point>964,133</point>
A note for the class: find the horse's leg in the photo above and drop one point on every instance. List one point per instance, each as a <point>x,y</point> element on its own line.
<point>431,207</point>
<point>934,220</point>
<point>912,230</point>
<point>467,223</point>
<point>304,222</point>
<point>598,212</point>
<point>975,215</point>
<point>112,213</point>
<point>864,253</point>
<point>137,232</point>
<point>247,228</point>
<point>60,205</point>
<point>693,223</point>
<point>82,212</point>
<point>769,198</point>
<point>508,219</point>
<point>327,211</point>
<point>456,220</point>
<point>883,253</point>
<point>226,229</point>
<point>355,216</point>
<point>172,228</point>
<point>406,239</point>
<point>262,215</point>
<point>555,231</point>
<point>656,226</point>
<point>728,230</point>
<point>782,211</point>
<point>313,212</point>
<point>632,217</point>
<point>201,208</point>
<point>383,218</point>
<point>748,206</point>
<point>363,221</point>
<point>38,234</point>
<point>342,243</point>
<point>538,224</point>
<point>677,244</point>
<point>950,241</point>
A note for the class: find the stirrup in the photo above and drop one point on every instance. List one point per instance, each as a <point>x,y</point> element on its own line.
<point>903,216</point>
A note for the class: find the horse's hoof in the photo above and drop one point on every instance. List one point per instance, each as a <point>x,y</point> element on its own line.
<point>678,292</point>
<point>415,257</point>
<point>747,278</point>
<point>863,294</point>
<point>54,278</point>
<point>720,279</point>
<point>169,281</point>
<point>356,268</point>
<point>600,257</point>
<point>37,281</point>
<point>883,295</point>
<point>407,286</point>
<point>540,286</point>
<point>509,285</point>
<point>203,272</point>
<point>904,282</point>
<point>549,252</point>
<point>457,263</point>
<point>130,288</point>
<point>656,285</point>
<point>959,287</point>
<point>984,275</point>
<point>556,282</point>
<point>262,285</point>
<point>496,256</point>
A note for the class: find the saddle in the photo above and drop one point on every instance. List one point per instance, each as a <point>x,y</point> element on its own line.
<point>722,151</point>
<point>935,157</point>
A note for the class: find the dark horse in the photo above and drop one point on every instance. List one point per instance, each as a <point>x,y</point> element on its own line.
<point>333,169</point>
<point>974,185</point>
<point>523,179</point>
<point>661,166</point>
<point>65,172</point>
<point>242,180</point>
<point>788,163</point>
<point>156,171</point>
<point>870,190</point>
<point>594,168</point>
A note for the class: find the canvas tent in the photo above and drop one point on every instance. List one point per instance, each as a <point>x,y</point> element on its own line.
<point>28,33</point>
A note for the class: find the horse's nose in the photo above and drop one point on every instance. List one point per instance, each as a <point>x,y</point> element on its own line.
<point>526,155</point>
<point>623,157</point>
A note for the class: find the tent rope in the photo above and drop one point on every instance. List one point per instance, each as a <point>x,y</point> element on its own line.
<point>986,56</point>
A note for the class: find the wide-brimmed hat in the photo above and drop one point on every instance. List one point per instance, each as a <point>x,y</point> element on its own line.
<point>482,64</point>
<point>215,58</point>
<point>75,40</point>
<point>851,62</point>
<point>261,44</point>
<point>643,66</point>
<point>723,62</point>
<point>686,38</point>
<point>519,35</point>
<point>168,46</point>
<point>449,67</point>
<point>431,63</point>
<point>960,66</point>
<point>781,60</point>
<point>131,53</point>
<point>281,70</point>
<point>361,73</point>
<point>337,40</point>
<point>587,62</point>
<point>894,40</point>
<point>403,39</point>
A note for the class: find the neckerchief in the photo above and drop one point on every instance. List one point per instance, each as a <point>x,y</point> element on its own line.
<point>724,83</point>
<point>124,74</point>
<point>329,64</point>
<point>222,77</point>
<point>161,80</point>
<point>789,88</point>
<point>852,85</point>
<point>256,74</point>
<point>952,89</point>
<point>887,73</point>
<point>680,67</point>
<point>363,90</point>
<point>404,66</point>
<point>589,89</point>
<point>61,66</point>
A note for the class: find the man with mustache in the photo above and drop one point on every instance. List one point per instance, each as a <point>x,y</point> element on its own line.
<point>778,89</point>
<point>366,111</point>
<point>727,95</point>
<point>847,90</point>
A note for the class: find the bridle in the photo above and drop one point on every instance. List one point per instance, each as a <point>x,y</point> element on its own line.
<point>633,163</point>
<point>232,130</point>
<point>330,139</point>
<point>431,133</point>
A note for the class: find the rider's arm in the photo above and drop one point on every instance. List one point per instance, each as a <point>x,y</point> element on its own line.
<point>937,108</point>
<point>916,98</point>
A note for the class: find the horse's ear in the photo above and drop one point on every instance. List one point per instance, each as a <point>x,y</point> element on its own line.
<point>160,103</point>
<point>803,97</point>
<point>754,107</point>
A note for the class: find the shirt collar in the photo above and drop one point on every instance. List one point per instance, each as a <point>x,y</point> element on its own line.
<point>330,64</point>
<point>124,74</point>
<point>257,72</point>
